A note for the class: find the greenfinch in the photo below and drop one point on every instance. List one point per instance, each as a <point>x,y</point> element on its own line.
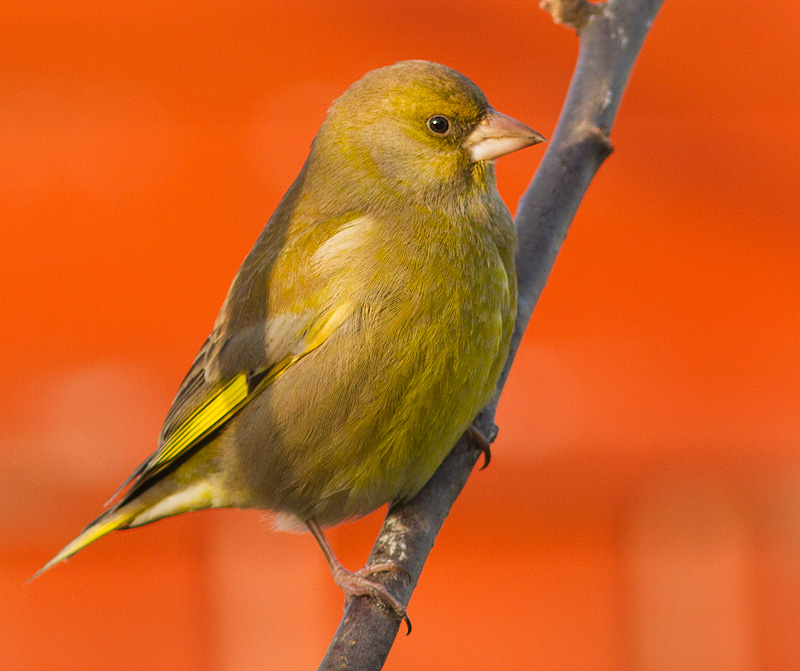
<point>363,332</point>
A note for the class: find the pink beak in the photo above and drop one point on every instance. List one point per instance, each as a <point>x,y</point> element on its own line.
<point>497,135</point>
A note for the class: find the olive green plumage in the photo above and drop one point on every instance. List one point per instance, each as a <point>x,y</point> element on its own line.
<point>365,329</point>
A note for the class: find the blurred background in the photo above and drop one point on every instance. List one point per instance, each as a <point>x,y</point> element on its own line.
<point>642,509</point>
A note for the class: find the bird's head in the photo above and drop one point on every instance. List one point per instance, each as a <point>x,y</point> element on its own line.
<point>416,129</point>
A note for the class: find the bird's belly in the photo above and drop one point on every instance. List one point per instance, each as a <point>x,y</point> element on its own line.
<point>357,423</point>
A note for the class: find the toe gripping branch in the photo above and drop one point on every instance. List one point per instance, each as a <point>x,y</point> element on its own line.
<point>481,442</point>
<point>358,583</point>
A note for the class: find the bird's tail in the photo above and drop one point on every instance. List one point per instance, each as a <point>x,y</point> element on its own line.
<point>117,518</point>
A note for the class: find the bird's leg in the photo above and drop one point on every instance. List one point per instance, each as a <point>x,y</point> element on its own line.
<point>357,583</point>
<point>477,439</point>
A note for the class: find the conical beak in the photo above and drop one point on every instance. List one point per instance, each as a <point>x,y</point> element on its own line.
<point>497,135</point>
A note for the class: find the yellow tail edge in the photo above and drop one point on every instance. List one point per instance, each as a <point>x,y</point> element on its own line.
<point>106,523</point>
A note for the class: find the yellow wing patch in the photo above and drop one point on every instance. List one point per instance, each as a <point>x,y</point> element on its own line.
<point>222,404</point>
<point>234,394</point>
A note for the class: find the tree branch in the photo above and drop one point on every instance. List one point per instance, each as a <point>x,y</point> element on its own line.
<point>611,36</point>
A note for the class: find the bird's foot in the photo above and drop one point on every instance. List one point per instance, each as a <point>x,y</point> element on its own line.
<point>477,439</point>
<point>357,583</point>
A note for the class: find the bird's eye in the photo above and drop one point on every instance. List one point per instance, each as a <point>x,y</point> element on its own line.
<point>438,124</point>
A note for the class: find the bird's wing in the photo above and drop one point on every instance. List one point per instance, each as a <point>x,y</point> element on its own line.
<point>284,302</point>
<point>206,401</point>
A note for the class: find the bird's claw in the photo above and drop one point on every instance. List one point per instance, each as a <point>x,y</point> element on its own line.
<point>478,440</point>
<point>357,583</point>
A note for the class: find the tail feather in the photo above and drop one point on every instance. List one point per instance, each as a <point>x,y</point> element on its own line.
<point>116,518</point>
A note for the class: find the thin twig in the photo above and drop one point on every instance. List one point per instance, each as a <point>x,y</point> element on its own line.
<point>611,35</point>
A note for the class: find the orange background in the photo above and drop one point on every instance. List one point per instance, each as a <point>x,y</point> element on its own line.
<point>642,510</point>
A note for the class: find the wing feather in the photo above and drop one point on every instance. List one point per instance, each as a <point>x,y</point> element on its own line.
<point>222,401</point>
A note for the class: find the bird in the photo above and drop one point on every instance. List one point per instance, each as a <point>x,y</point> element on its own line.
<point>363,332</point>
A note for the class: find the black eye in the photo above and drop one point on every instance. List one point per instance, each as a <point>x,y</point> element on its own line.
<point>438,124</point>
